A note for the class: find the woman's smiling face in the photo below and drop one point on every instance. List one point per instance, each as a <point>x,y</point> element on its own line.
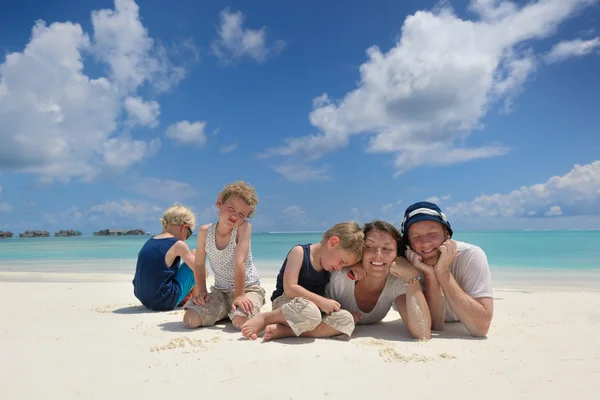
<point>381,250</point>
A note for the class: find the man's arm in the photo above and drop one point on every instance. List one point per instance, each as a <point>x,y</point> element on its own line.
<point>475,314</point>
<point>471,300</point>
<point>290,278</point>
<point>241,253</point>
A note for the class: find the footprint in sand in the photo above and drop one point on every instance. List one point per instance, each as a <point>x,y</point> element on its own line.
<point>124,308</point>
<point>390,354</point>
<point>180,342</point>
<point>109,308</point>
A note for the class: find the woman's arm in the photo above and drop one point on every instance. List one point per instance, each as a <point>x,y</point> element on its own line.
<point>412,305</point>
<point>414,312</point>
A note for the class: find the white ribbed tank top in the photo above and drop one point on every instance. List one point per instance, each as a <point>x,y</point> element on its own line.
<point>222,261</point>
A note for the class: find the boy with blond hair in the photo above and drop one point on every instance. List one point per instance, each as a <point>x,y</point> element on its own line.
<point>236,292</point>
<point>160,283</point>
<point>298,302</point>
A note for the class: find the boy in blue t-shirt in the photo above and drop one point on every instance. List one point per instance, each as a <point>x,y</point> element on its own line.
<point>160,282</point>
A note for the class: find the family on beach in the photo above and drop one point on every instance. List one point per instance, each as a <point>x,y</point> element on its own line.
<point>353,275</point>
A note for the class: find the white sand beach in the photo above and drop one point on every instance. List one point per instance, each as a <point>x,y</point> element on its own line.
<point>84,336</point>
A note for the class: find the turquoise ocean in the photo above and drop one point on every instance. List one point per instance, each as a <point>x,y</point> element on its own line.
<point>557,250</point>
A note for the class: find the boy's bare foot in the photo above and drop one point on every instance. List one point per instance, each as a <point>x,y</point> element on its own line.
<point>277,331</point>
<point>238,321</point>
<point>254,326</point>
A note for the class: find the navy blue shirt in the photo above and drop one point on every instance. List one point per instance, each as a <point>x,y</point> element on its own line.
<point>309,278</point>
<point>154,282</point>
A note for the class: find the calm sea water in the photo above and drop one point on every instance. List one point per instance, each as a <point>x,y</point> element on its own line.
<point>526,249</point>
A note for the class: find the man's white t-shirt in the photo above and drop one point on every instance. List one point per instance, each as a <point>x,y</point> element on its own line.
<point>341,289</point>
<point>472,273</point>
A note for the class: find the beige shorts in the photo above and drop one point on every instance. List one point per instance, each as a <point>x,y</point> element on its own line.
<point>219,305</point>
<point>303,315</point>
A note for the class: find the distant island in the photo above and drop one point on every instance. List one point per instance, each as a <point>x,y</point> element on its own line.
<point>121,232</point>
<point>34,234</point>
<point>5,235</point>
<point>67,233</point>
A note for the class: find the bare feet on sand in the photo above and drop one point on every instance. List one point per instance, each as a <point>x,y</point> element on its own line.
<point>253,327</point>
<point>275,331</point>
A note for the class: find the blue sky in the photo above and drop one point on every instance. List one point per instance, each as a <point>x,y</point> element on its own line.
<point>112,111</point>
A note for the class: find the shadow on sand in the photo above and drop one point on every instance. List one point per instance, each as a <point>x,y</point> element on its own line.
<point>133,310</point>
<point>396,331</point>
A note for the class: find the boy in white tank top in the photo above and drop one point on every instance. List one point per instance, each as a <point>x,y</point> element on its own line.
<point>236,292</point>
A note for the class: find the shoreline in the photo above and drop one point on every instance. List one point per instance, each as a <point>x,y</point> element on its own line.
<point>503,279</point>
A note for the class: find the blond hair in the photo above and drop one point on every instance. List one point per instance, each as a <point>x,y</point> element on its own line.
<point>242,190</point>
<point>178,214</point>
<point>351,235</point>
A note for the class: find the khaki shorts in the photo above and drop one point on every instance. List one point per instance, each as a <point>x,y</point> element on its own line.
<point>303,315</point>
<point>219,304</point>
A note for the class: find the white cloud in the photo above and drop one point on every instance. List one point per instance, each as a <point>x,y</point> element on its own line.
<point>235,41</point>
<point>554,211</point>
<point>5,207</point>
<point>140,212</point>
<point>386,208</point>
<point>572,48</point>
<point>228,149</point>
<point>121,152</point>
<point>437,199</point>
<point>575,193</point>
<point>59,123</point>
<point>185,132</point>
<point>302,173</point>
<point>208,215</point>
<point>122,41</point>
<point>423,98</point>
<point>161,189</point>
<point>141,112</point>
<point>294,216</point>
<point>293,211</point>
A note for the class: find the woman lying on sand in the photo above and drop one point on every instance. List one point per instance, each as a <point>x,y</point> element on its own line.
<point>389,279</point>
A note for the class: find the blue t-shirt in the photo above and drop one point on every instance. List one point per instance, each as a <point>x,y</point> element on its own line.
<point>309,278</point>
<point>154,281</point>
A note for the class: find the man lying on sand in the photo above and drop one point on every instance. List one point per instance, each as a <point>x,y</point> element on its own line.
<point>458,284</point>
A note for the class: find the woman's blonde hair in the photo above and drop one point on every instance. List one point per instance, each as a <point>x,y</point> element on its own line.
<point>351,235</point>
<point>178,214</point>
<point>242,190</point>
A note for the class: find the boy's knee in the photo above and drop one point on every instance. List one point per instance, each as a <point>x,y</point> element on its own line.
<point>302,315</point>
<point>344,316</point>
<point>191,319</point>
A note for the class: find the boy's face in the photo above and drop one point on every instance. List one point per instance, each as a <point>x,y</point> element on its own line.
<point>335,258</point>
<point>425,238</point>
<point>233,212</point>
